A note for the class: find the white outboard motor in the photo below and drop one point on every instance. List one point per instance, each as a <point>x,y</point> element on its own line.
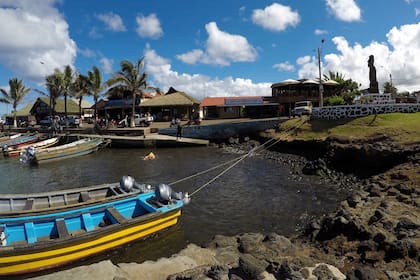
<point>165,193</point>
<point>127,183</point>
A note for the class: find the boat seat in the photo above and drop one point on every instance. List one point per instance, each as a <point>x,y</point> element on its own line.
<point>84,196</point>
<point>116,215</point>
<point>29,204</point>
<point>62,228</point>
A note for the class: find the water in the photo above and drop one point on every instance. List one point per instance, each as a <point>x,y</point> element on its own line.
<point>257,195</point>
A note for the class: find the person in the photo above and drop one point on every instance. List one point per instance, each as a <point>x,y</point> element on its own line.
<point>149,156</point>
<point>178,131</point>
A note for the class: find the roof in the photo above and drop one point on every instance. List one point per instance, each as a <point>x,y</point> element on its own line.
<point>213,101</point>
<point>72,106</point>
<point>173,99</point>
<point>233,101</point>
<point>25,111</point>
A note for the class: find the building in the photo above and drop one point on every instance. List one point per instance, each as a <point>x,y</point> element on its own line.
<point>238,107</point>
<point>289,91</point>
<point>173,104</point>
<point>41,108</point>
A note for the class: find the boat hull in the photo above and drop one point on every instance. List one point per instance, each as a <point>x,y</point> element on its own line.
<point>41,256</point>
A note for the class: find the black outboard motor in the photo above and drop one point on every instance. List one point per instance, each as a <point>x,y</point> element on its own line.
<point>128,184</point>
<point>165,193</point>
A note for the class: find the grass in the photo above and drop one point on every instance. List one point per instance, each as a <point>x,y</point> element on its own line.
<point>399,127</point>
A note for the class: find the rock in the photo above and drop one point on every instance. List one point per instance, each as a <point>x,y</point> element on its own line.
<point>362,273</point>
<point>223,241</point>
<point>251,243</point>
<point>252,266</point>
<point>103,270</point>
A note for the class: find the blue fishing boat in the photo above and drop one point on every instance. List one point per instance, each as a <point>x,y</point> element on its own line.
<point>19,141</point>
<point>38,242</point>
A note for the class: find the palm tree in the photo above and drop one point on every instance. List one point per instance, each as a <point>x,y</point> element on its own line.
<point>68,79</point>
<point>95,84</point>
<point>80,88</point>
<point>16,93</point>
<point>54,84</point>
<point>130,78</point>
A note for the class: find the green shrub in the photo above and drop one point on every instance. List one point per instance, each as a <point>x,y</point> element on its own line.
<point>334,100</point>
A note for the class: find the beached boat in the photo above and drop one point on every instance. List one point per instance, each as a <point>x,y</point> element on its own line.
<point>46,202</point>
<point>16,150</point>
<point>77,148</point>
<point>19,141</point>
<point>35,243</point>
<point>5,138</point>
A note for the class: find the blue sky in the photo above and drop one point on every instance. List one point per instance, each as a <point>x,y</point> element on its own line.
<point>211,48</point>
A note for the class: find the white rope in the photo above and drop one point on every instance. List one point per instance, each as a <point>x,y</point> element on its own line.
<point>236,161</point>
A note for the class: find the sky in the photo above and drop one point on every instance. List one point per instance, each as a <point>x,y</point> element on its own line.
<point>211,48</point>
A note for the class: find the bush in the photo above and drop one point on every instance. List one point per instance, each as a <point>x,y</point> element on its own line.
<point>334,100</point>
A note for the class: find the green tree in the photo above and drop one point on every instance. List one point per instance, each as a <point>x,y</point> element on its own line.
<point>17,92</point>
<point>347,88</point>
<point>68,79</point>
<point>80,88</point>
<point>389,88</point>
<point>130,78</point>
<point>54,85</point>
<point>95,85</point>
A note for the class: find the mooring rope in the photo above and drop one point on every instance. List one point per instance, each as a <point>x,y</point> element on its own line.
<point>235,160</point>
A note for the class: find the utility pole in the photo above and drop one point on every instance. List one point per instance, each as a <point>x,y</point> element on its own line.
<point>321,87</point>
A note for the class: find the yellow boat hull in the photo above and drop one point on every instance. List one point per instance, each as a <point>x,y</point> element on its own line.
<point>52,254</point>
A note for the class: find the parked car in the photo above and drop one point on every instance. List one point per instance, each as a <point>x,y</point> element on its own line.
<point>302,108</point>
<point>72,121</point>
<point>139,120</point>
<point>45,122</point>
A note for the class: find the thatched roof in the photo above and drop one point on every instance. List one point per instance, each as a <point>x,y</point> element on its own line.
<point>172,99</point>
<point>25,111</point>
<point>72,106</point>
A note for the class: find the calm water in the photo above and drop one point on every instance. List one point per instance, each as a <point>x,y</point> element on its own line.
<point>255,196</point>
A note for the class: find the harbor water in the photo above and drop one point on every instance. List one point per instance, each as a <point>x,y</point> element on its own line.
<point>257,195</point>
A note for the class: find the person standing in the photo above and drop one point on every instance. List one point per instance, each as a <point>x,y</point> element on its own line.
<point>178,131</point>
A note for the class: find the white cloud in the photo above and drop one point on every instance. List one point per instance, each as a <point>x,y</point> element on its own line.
<point>417,11</point>
<point>197,85</point>
<point>275,17</point>
<point>320,32</point>
<point>106,64</point>
<point>222,48</point>
<point>191,57</point>
<point>112,21</point>
<point>36,32</point>
<point>398,57</point>
<point>87,52</point>
<point>149,27</point>
<point>345,10</point>
<point>284,66</point>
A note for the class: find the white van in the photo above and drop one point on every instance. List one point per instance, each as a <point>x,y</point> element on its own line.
<point>302,108</point>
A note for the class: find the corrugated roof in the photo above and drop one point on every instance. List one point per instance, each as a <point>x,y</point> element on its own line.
<point>173,99</point>
<point>231,100</point>
<point>213,101</point>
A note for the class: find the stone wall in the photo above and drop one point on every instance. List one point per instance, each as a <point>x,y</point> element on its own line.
<point>355,111</point>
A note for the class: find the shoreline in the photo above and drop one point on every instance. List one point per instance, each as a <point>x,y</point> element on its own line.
<point>373,234</point>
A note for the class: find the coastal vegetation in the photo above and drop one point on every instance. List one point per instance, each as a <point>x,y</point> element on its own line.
<point>401,128</point>
<point>17,91</point>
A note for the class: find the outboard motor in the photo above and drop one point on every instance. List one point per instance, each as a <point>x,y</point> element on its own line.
<point>165,193</point>
<point>28,155</point>
<point>127,183</point>
<point>4,149</point>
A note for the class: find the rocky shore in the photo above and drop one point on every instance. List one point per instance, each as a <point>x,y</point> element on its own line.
<point>373,234</point>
